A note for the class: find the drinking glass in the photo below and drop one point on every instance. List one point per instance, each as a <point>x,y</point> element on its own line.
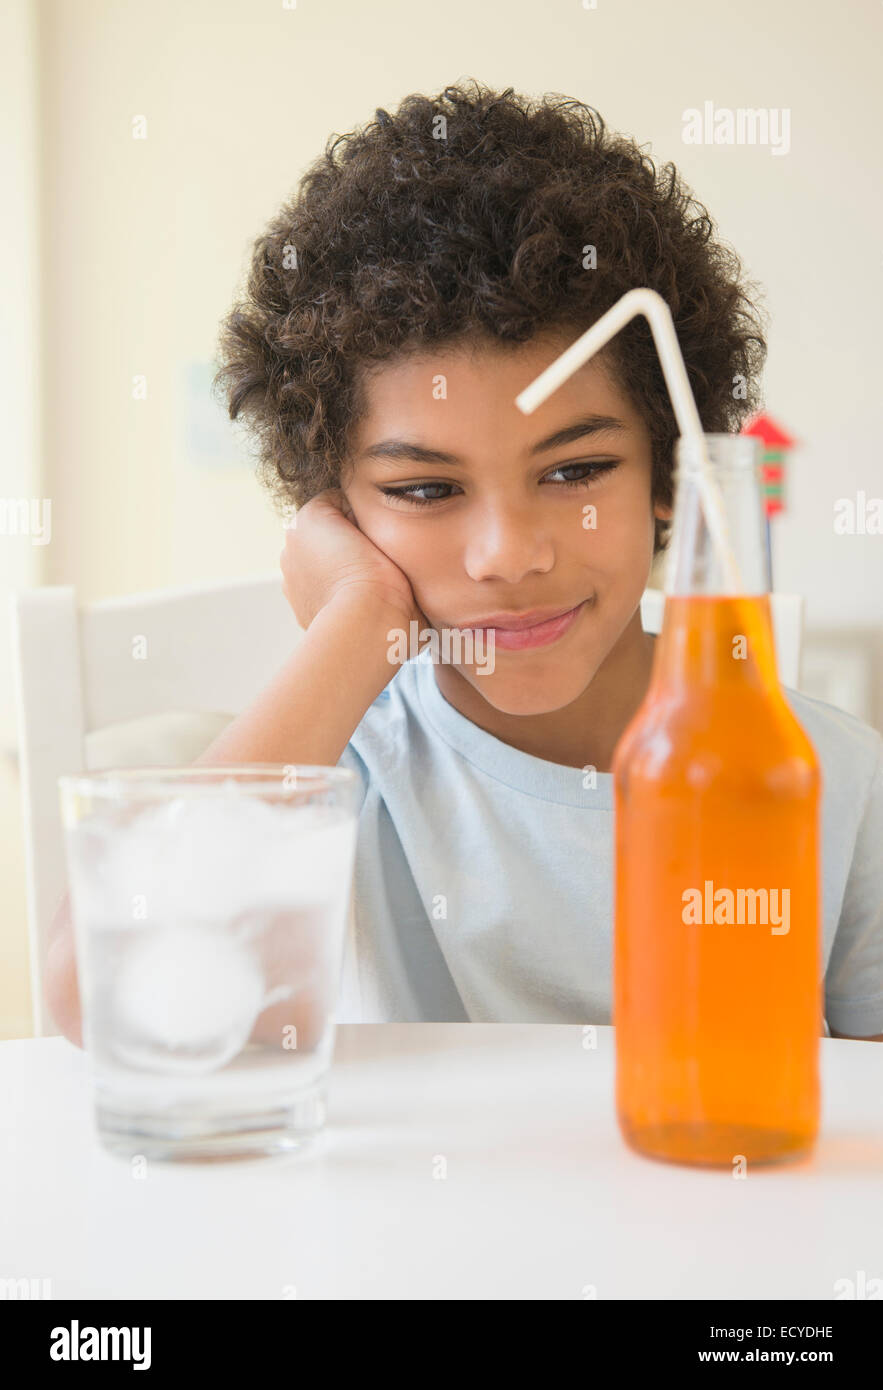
<point>209,907</point>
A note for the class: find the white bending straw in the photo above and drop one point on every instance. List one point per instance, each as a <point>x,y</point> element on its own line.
<point>658,315</point>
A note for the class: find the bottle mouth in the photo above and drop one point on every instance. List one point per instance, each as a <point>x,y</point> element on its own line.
<point>727,454</point>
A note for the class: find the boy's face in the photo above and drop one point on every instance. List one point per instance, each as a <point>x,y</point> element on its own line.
<point>507,533</point>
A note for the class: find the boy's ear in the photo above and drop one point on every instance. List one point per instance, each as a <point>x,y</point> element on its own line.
<point>662,512</point>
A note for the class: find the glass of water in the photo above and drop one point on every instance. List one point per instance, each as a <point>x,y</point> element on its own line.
<point>209,907</point>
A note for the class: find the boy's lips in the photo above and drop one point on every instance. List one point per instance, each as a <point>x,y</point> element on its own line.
<point>536,629</point>
<point>514,622</point>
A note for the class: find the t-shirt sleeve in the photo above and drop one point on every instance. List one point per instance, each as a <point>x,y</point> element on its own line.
<point>349,758</point>
<point>854,977</point>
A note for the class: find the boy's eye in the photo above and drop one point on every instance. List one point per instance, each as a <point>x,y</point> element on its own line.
<point>590,471</point>
<point>409,493</point>
<point>587,474</point>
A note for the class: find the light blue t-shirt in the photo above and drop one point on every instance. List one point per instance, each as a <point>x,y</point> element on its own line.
<point>483,878</point>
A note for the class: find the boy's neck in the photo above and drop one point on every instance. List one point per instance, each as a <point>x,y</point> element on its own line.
<point>581,734</point>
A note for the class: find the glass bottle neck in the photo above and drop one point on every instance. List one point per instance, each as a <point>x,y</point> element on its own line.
<point>695,565</point>
<point>712,633</point>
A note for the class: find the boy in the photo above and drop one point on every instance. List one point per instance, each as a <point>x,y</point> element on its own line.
<point>431,265</point>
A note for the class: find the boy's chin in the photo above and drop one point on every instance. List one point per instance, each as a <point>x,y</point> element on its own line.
<point>522,692</point>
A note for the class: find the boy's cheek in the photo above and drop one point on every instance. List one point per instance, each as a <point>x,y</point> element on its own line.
<point>414,552</point>
<point>621,543</point>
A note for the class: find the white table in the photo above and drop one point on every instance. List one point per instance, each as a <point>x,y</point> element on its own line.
<point>542,1198</point>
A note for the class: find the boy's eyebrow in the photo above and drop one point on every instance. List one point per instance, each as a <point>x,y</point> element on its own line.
<point>586,424</point>
<point>403,450</point>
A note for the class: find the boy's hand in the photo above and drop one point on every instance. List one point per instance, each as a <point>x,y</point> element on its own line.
<point>326,555</point>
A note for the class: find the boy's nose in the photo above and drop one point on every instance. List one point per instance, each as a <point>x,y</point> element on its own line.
<point>508,544</point>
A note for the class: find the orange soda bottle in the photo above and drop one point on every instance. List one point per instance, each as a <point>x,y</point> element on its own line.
<point>717,968</point>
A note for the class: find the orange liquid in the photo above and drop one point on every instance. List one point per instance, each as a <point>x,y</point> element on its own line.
<point>717,1023</point>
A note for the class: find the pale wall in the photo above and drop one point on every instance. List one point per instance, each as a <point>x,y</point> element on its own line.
<point>148,238</point>
<point>139,244</point>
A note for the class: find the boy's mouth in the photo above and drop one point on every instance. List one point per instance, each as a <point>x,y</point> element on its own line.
<point>511,633</point>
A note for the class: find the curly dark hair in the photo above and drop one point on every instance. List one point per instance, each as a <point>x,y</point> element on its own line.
<point>469,214</point>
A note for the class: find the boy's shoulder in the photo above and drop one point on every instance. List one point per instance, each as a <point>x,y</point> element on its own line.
<point>850,750</point>
<point>387,728</point>
<point>835,725</point>
<point>400,691</point>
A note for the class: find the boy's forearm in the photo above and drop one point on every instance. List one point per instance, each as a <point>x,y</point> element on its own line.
<point>312,707</point>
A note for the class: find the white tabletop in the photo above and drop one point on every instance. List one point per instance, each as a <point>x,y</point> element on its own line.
<point>541,1198</point>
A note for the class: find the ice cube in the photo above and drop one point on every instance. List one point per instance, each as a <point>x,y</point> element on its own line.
<point>186,1000</point>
